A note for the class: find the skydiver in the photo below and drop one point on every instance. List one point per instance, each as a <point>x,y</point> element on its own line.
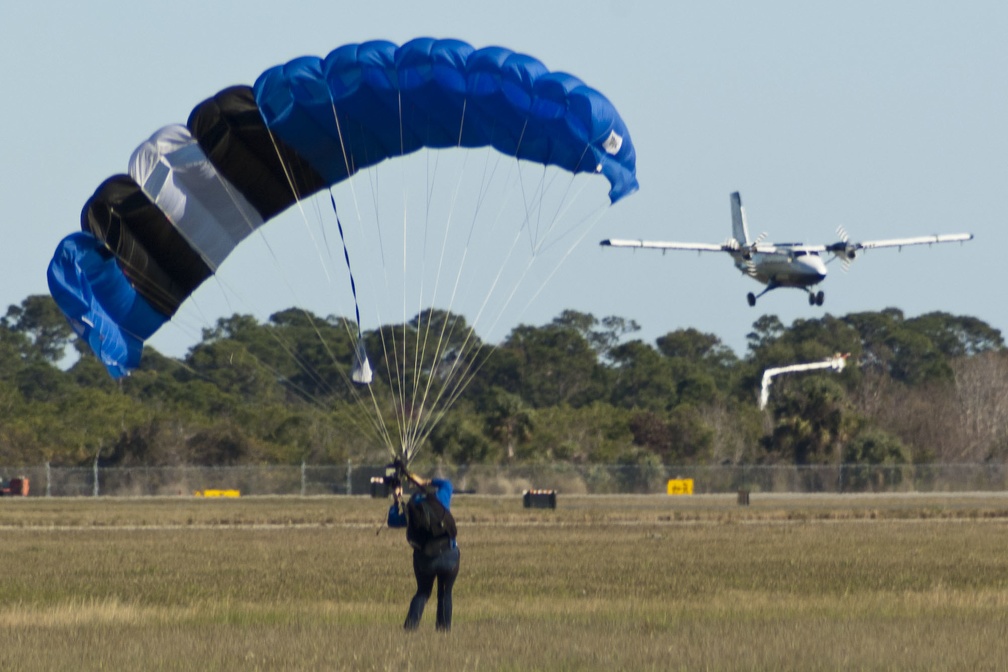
<point>430,530</point>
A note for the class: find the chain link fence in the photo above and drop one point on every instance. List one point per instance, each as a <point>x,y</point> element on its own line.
<point>354,479</point>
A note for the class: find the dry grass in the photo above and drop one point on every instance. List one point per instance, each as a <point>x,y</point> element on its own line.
<point>898,582</point>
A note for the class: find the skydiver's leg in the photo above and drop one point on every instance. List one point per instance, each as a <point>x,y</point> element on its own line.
<point>425,575</point>
<point>448,568</point>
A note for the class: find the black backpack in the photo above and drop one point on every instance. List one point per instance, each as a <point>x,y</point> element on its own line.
<point>430,527</point>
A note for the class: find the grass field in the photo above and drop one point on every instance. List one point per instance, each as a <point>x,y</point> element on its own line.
<point>628,583</point>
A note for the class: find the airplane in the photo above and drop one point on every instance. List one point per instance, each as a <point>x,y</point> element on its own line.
<point>784,264</point>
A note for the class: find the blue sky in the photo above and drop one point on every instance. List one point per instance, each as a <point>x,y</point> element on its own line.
<point>887,118</point>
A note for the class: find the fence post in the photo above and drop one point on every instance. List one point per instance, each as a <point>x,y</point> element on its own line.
<point>96,476</point>
<point>302,478</point>
<point>349,483</point>
<point>48,481</point>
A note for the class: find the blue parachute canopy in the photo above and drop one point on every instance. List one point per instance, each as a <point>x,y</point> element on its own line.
<point>194,192</point>
<point>100,304</point>
<point>367,102</point>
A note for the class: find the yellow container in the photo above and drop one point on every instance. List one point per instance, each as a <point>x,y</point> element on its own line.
<point>680,486</point>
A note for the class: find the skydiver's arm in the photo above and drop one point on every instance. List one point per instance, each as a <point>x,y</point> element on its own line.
<point>419,481</point>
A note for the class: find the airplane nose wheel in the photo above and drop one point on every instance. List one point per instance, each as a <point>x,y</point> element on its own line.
<point>751,298</point>
<point>815,299</point>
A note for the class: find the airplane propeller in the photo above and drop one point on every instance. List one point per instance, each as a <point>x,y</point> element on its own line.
<point>844,250</point>
<point>750,249</point>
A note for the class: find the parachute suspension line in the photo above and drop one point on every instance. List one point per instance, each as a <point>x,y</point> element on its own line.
<point>466,363</point>
<point>484,191</point>
<point>470,366</point>
<point>378,419</point>
<point>226,294</point>
<point>420,430</point>
<point>300,205</point>
<point>351,170</point>
<point>530,204</point>
<point>416,411</point>
<point>361,373</point>
<point>534,206</point>
<point>339,134</point>
<point>289,350</point>
<point>397,362</point>
<point>422,327</point>
<point>390,356</point>
<point>427,416</point>
<point>497,278</point>
<point>360,355</point>
<point>561,210</point>
<point>402,144</point>
<point>474,364</point>
<point>595,218</point>
<point>419,406</point>
<point>277,374</point>
<point>305,394</point>
<point>286,280</point>
<point>465,102</point>
<point>561,215</point>
<point>362,367</point>
<point>424,338</point>
<point>566,201</point>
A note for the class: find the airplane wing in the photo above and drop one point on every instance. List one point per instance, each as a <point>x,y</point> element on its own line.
<point>848,250</point>
<point>661,245</point>
<point>919,240</point>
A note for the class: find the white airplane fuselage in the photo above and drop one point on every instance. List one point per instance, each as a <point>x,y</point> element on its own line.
<point>784,268</point>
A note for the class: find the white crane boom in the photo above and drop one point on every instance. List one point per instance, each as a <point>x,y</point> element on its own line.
<point>836,362</point>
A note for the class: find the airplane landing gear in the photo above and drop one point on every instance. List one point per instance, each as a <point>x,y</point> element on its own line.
<point>816,298</point>
<point>751,298</point>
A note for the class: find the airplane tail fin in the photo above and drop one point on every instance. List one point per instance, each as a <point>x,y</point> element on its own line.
<point>738,220</point>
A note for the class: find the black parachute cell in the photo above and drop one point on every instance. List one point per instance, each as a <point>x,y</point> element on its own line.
<point>162,266</point>
<point>230,129</point>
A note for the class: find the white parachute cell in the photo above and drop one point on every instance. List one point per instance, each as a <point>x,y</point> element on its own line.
<point>207,210</point>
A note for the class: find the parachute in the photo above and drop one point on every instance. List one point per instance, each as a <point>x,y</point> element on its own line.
<point>194,192</point>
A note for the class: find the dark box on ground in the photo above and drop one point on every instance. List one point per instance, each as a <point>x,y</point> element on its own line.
<point>539,499</point>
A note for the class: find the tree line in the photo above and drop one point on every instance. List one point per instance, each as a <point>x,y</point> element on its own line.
<point>928,389</point>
